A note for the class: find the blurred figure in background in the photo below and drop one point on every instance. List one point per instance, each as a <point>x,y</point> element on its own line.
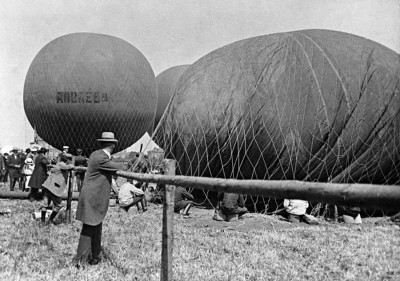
<point>39,175</point>
<point>183,201</point>
<point>27,172</point>
<point>231,207</point>
<point>350,214</point>
<point>80,161</point>
<point>2,167</point>
<point>14,167</point>
<point>5,175</point>
<point>34,152</point>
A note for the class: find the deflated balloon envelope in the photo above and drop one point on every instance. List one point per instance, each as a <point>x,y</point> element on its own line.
<point>313,105</point>
<point>82,84</point>
<point>166,84</point>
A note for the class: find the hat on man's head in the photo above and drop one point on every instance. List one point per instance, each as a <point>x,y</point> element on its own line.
<point>15,149</point>
<point>107,137</point>
<point>34,149</point>
<point>65,147</point>
<point>29,161</point>
<point>79,150</point>
<point>43,150</point>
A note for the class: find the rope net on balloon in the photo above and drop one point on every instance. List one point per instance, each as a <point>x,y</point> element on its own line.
<point>287,108</point>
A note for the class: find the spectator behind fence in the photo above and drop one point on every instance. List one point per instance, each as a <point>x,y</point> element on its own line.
<point>232,207</point>
<point>55,186</point>
<point>94,199</point>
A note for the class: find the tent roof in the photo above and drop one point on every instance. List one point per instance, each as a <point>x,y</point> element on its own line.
<point>145,143</point>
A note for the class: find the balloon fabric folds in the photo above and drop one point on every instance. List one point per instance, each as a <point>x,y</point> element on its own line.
<point>311,105</point>
<point>82,84</point>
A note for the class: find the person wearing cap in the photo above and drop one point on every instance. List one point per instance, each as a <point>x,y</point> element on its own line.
<point>80,161</point>
<point>93,200</point>
<point>39,175</point>
<point>14,168</point>
<point>27,171</point>
<point>64,151</point>
<point>55,185</point>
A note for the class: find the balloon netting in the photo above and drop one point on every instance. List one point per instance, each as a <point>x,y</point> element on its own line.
<point>301,112</point>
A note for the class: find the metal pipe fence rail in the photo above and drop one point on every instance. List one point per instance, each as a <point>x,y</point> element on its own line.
<point>364,195</point>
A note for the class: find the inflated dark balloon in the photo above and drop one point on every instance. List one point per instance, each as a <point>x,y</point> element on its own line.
<point>166,83</point>
<point>313,105</point>
<point>82,84</point>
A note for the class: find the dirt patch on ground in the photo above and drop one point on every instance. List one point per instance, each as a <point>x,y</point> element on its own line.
<point>202,218</point>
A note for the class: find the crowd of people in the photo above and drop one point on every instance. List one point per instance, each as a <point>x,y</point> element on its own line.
<point>42,177</point>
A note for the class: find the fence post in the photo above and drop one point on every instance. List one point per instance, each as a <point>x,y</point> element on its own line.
<point>69,198</point>
<point>168,223</point>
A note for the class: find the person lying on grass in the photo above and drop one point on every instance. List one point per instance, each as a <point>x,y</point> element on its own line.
<point>183,201</point>
<point>129,195</point>
<point>231,207</point>
<point>55,186</point>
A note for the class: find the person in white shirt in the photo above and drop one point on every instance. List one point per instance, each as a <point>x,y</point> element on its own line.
<point>129,195</point>
<point>296,210</point>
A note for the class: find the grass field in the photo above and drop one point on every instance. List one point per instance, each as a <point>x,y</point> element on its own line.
<point>258,248</point>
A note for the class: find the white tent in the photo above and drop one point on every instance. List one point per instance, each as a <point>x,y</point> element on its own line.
<point>144,144</point>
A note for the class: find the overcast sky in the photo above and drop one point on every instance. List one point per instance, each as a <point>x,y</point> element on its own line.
<point>167,32</point>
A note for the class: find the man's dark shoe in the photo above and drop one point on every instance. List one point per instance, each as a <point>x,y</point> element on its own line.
<point>95,261</point>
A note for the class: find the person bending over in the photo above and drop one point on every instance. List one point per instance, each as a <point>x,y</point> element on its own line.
<point>55,185</point>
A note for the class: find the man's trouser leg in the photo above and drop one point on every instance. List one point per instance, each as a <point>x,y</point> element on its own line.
<point>21,183</point>
<point>12,183</point>
<point>96,243</point>
<point>84,245</point>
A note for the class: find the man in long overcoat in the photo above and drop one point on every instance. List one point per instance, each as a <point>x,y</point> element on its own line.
<point>14,168</point>
<point>39,175</point>
<point>94,199</point>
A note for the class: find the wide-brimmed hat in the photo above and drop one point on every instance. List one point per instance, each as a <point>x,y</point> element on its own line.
<point>34,149</point>
<point>79,150</point>
<point>15,149</point>
<point>65,146</point>
<point>28,161</point>
<point>43,150</point>
<point>107,137</point>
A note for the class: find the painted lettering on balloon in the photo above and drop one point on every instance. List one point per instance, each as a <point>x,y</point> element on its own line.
<point>81,97</point>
